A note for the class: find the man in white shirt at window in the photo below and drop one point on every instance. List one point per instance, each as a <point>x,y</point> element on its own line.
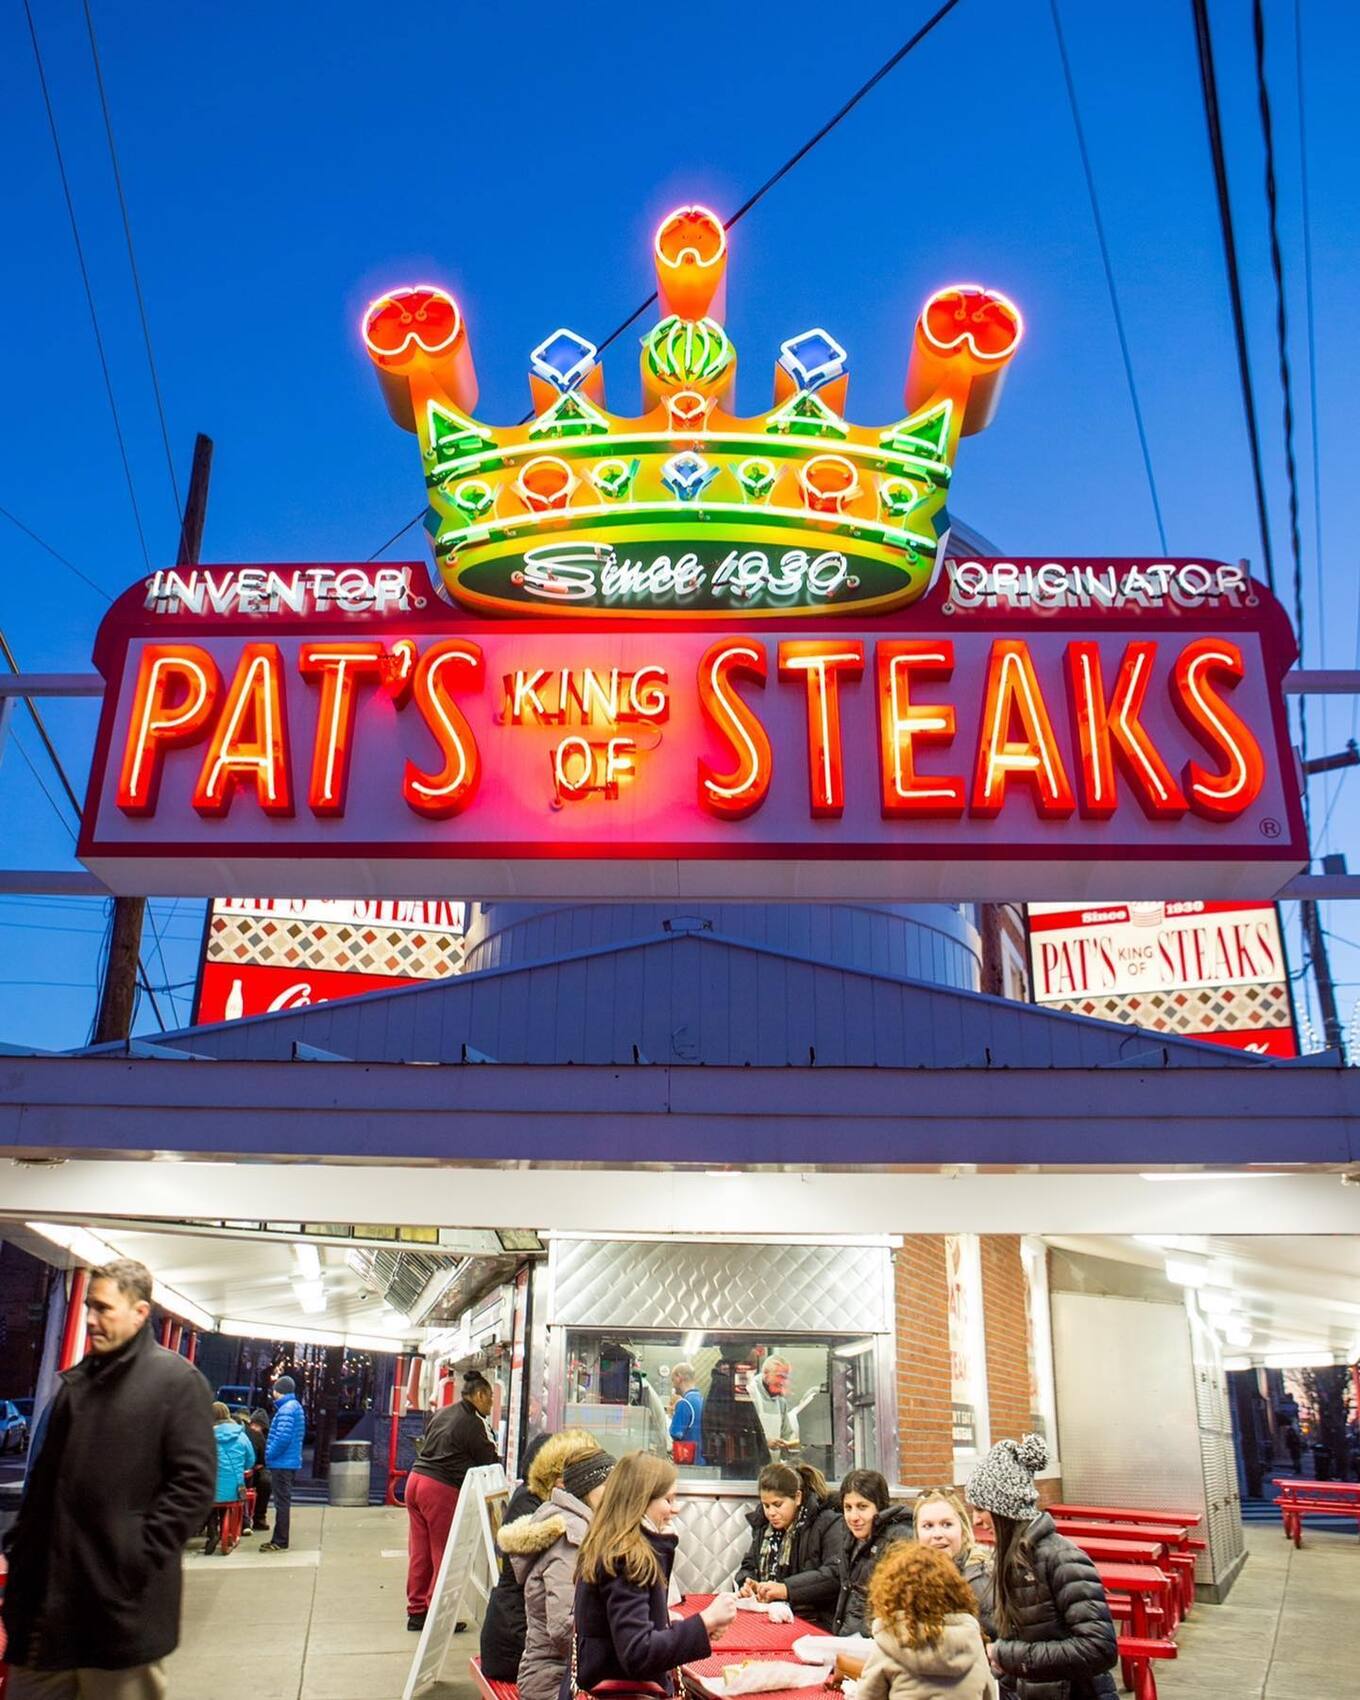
<point>770,1395</point>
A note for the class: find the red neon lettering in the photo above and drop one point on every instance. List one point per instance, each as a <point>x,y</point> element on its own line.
<point>1016,740</point>
<point>177,689</point>
<point>744,788</point>
<point>1114,734</point>
<point>1235,786</point>
<point>903,725</point>
<point>338,668</point>
<point>822,662</point>
<point>440,670</point>
<point>249,744</point>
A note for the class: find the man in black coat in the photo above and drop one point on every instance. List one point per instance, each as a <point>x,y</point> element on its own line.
<point>124,1474</point>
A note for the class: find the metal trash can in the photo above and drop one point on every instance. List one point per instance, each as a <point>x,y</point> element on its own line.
<point>351,1462</point>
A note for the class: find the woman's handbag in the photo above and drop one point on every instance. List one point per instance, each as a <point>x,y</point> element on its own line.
<point>615,1688</point>
<point>684,1451</point>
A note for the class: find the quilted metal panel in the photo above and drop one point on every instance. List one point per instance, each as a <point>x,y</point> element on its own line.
<point>714,1536</point>
<point>1223,1519</point>
<point>800,1289</point>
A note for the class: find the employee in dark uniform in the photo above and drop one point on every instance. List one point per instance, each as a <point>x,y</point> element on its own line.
<point>455,1440</point>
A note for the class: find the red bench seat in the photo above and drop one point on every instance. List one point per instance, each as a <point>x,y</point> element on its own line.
<point>490,1687</point>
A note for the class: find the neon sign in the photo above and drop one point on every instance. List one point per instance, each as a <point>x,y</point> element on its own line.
<point>913,754</point>
<point>690,507</point>
<point>695,651</point>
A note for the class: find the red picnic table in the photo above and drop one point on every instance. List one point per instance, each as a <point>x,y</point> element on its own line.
<point>690,1675</point>
<point>1177,1554</point>
<point>1127,1514</point>
<point>751,1633</point>
<point>1304,1496</point>
<point>1142,1592</point>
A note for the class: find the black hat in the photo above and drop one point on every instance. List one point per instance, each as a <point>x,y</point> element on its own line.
<point>586,1473</point>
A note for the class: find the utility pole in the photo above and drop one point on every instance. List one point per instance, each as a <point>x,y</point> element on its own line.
<point>119,992</point>
<point>1322,973</point>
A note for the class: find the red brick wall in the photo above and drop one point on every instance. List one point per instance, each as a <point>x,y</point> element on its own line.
<point>924,1406</point>
<point>1003,1310</point>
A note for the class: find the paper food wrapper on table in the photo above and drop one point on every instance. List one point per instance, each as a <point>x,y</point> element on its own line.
<point>778,1611</point>
<point>823,1649</point>
<point>757,1676</point>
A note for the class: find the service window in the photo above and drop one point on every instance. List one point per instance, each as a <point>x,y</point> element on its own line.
<point>725,1405</point>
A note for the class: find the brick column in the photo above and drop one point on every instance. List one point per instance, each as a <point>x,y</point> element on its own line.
<point>924,1405</point>
<point>1003,1311</point>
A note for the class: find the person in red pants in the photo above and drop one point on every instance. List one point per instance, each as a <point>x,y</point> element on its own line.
<point>455,1440</point>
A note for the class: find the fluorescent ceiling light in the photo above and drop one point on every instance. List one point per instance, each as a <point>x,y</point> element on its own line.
<point>1237,1336</point>
<point>241,1328</point>
<point>308,1261</point>
<point>311,1295</point>
<point>89,1249</point>
<point>1214,1175</point>
<point>1305,1358</point>
<point>1237,1363</point>
<point>1214,1304</point>
<point>1186,1274</point>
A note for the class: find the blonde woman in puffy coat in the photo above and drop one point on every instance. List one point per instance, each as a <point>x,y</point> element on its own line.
<point>543,1549</point>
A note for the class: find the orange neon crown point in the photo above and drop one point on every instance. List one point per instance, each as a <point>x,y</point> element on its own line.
<point>965,337</point>
<point>412,328</point>
<point>690,252</point>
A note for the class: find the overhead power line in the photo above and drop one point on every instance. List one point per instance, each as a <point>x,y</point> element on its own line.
<point>1258,30</point>
<point>40,726</point>
<point>85,280</point>
<point>56,554</point>
<point>132,254</point>
<point>889,64</point>
<point>1109,270</point>
<point>1213,122</point>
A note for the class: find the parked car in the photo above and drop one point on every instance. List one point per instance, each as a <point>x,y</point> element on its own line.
<point>13,1427</point>
<point>237,1397</point>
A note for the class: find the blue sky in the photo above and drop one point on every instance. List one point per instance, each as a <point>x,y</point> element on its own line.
<point>282,164</point>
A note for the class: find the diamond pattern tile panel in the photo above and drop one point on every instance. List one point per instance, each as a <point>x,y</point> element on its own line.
<point>416,953</point>
<point>1206,1009</point>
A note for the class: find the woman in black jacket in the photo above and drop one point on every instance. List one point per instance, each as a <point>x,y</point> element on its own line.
<point>796,1537</point>
<point>623,1628</point>
<point>503,1627</point>
<point>1055,1639</point>
<point>456,1440</point>
<point>872,1524</point>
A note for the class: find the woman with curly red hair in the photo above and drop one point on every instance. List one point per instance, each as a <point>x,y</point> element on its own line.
<point>927,1640</point>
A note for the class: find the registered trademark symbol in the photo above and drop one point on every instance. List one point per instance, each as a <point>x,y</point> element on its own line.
<point>1270,827</point>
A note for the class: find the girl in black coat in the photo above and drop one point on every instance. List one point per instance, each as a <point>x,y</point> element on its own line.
<point>623,1627</point>
<point>796,1536</point>
<point>872,1524</point>
<point>1055,1639</point>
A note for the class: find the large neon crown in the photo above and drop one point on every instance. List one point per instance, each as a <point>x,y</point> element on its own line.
<point>688,508</point>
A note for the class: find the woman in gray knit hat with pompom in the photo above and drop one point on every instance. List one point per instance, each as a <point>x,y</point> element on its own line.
<point>1055,1638</point>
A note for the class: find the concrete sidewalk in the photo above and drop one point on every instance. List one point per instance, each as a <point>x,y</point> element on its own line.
<point>327,1620</point>
<point>324,1621</point>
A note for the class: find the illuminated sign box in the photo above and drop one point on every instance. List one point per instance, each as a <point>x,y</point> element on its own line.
<point>401,748</point>
<point>1193,969</point>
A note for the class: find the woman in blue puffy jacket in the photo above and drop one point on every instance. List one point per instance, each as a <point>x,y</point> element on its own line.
<point>235,1455</point>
